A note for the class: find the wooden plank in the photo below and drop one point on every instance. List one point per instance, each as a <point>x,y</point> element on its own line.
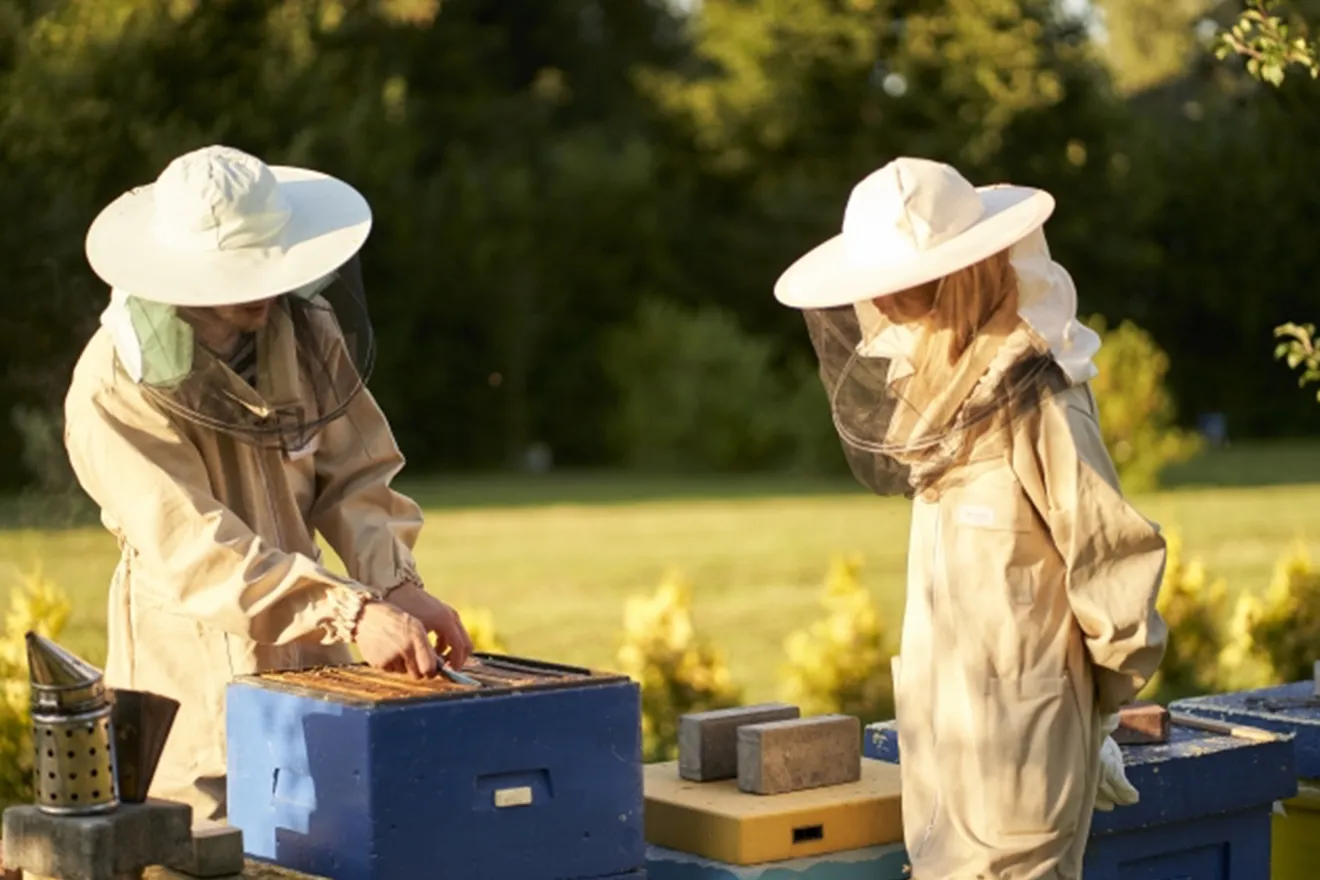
<point>251,871</point>
<point>717,821</point>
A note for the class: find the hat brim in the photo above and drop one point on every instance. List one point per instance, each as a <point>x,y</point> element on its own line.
<point>329,223</point>
<point>826,278</point>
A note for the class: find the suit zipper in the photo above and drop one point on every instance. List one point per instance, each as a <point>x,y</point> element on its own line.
<point>260,454</point>
<point>937,572</point>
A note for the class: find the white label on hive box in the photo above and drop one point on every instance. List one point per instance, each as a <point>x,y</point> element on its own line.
<point>513,797</point>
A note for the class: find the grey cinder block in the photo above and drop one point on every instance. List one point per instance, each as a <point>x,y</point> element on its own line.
<point>708,741</point>
<point>216,851</point>
<point>782,756</point>
<point>107,847</point>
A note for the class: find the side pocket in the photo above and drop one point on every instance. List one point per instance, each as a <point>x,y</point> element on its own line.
<point>1032,765</point>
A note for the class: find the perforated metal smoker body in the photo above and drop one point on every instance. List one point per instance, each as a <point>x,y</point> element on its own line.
<point>75,771</point>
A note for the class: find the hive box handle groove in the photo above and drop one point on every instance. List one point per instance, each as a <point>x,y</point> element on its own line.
<point>521,788</point>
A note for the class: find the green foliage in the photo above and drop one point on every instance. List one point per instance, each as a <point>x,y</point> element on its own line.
<point>840,663</point>
<point>1150,42</point>
<point>34,604</point>
<point>53,496</point>
<point>539,169</point>
<point>1270,43</point>
<point>1136,408</point>
<point>807,423</point>
<point>1299,352</point>
<point>696,391</point>
<point>677,670</point>
<point>1194,605</point>
<point>1274,634</point>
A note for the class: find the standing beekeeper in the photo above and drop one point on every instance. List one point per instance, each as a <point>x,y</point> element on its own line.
<point>219,418</point>
<point>957,374</point>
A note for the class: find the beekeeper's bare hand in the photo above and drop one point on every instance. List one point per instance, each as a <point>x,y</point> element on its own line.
<point>452,639</point>
<point>390,638</point>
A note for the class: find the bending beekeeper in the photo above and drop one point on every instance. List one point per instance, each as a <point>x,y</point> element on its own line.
<point>220,419</point>
<point>957,374</point>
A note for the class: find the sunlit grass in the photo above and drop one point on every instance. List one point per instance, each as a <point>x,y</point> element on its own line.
<point>555,558</point>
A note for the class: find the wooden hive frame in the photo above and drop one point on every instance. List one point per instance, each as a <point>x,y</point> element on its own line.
<point>359,684</point>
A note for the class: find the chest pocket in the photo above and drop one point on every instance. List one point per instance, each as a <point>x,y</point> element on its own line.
<point>997,541</point>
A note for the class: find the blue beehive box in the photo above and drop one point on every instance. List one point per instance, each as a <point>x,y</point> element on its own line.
<point>1204,813</point>
<point>354,774</point>
<point>1293,709</point>
<point>871,863</point>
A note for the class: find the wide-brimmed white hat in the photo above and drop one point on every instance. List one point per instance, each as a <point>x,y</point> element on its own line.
<point>911,222</point>
<point>220,227</point>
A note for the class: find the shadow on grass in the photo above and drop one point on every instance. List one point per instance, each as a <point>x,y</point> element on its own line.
<point>586,488</point>
<point>1251,465</point>
<point>1241,466</point>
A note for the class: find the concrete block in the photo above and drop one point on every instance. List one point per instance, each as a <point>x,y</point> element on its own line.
<point>6,872</point>
<point>708,741</point>
<point>107,847</point>
<point>216,851</point>
<point>782,756</point>
<point>1142,723</point>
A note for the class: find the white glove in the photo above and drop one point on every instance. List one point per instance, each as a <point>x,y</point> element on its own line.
<point>1115,790</point>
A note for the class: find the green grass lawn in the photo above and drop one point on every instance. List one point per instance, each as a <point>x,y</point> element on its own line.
<point>554,558</point>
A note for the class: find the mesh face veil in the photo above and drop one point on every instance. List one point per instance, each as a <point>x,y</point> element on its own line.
<point>273,379</point>
<point>917,399</point>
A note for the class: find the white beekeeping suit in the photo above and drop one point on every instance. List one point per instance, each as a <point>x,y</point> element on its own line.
<point>957,375</point>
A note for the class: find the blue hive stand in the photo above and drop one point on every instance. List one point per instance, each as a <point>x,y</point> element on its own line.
<point>1204,813</point>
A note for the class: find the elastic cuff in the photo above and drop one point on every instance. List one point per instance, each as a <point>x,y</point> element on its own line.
<point>346,607</point>
<point>406,578</point>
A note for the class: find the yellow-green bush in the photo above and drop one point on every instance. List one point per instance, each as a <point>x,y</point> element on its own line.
<point>1195,606</point>
<point>840,663</point>
<point>678,671</point>
<point>35,604</point>
<point>480,624</point>
<point>1274,637</point>
<point>1136,410</point>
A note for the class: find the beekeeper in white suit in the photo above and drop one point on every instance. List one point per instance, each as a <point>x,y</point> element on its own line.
<point>957,375</point>
<point>220,419</point>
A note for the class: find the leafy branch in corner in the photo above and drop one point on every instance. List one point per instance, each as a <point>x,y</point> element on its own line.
<point>1300,352</point>
<point>1269,43</point>
<point>1270,46</point>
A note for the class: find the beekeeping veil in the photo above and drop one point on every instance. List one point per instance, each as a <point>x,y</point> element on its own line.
<point>237,299</point>
<point>938,320</point>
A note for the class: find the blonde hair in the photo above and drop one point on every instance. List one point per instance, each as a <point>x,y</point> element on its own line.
<point>961,303</point>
